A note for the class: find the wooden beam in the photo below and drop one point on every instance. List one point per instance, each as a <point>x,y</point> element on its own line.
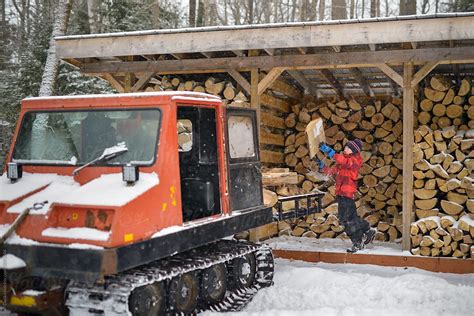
<point>423,72</point>
<point>271,76</point>
<point>258,37</point>
<point>372,47</point>
<point>207,55</point>
<point>301,79</point>
<point>309,61</point>
<point>362,82</point>
<point>302,50</point>
<point>414,45</point>
<point>254,95</point>
<point>392,74</point>
<point>240,80</point>
<point>142,81</point>
<point>114,82</point>
<point>238,53</point>
<point>269,51</point>
<point>337,48</point>
<point>408,140</point>
<point>333,82</point>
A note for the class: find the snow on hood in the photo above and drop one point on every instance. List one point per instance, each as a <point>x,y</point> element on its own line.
<point>28,183</point>
<point>10,262</point>
<point>77,233</point>
<point>108,190</point>
<point>59,187</point>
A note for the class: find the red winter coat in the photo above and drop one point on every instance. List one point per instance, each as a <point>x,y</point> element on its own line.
<point>346,171</point>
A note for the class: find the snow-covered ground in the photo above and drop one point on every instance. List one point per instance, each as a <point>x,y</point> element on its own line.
<point>311,289</point>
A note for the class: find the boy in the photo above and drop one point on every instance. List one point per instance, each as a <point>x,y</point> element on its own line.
<point>347,170</point>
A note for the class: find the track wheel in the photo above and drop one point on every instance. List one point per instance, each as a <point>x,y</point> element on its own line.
<point>243,271</point>
<point>183,293</point>
<point>147,300</point>
<point>213,284</point>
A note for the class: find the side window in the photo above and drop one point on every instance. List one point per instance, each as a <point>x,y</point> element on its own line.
<point>241,137</point>
<point>185,135</point>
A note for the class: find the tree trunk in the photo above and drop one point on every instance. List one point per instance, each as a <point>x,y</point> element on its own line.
<point>200,14</point>
<point>192,13</point>
<point>92,15</point>
<point>407,7</point>
<point>322,8</point>
<point>250,12</point>
<point>51,68</point>
<point>338,10</point>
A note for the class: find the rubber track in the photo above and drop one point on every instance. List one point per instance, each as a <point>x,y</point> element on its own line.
<point>112,297</point>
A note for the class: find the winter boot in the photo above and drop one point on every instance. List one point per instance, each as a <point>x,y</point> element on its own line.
<point>356,247</point>
<point>369,235</point>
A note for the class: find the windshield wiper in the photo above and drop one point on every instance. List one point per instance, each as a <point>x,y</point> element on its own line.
<point>109,153</point>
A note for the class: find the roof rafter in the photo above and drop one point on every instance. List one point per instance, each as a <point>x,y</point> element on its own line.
<point>333,82</point>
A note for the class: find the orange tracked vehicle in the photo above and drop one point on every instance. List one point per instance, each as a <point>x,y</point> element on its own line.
<point>121,205</point>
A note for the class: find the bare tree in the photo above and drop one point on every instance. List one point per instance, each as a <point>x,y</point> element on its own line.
<point>407,7</point>
<point>338,10</point>
<point>250,12</point>
<point>51,68</point>
<point>192,13</point>
<point>322,8</point>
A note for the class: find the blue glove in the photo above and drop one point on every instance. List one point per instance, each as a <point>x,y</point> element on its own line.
<point>327,150</point>
<point>321,165</point>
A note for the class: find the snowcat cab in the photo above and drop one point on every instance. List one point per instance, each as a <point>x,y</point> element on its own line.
<point>119,205</point>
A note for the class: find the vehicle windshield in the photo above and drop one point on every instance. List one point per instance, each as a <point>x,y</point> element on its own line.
<point>77,137</point>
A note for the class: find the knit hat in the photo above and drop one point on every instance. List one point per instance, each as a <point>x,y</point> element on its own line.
<point>355,145</point>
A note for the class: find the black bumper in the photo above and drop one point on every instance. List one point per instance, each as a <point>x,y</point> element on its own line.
<point>89,265</point>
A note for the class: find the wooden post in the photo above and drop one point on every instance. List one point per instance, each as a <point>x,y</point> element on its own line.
<point>254,96</point>
<point>408,119</point>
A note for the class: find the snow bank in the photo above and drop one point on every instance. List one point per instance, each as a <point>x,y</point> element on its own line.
<point>77,233</point>
<point>303,288</point>
<point>10,262</point>
<point>28,183</point>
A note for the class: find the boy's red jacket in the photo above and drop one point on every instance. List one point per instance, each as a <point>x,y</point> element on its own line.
<point>346,171</point>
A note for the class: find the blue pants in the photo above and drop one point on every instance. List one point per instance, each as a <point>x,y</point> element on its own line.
<point>354,226</point>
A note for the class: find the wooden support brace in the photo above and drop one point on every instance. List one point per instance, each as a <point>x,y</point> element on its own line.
<point>362,82</point>
<point>114,82</point>
<point>337,49</point>
<point>142,81</point>
<point>333,82</point>
<point>408,139</point>
<point>423,72</point>
<point>271,76</point>
<point>301,79</point>
<point>392,74</point>
<point>240,80</point>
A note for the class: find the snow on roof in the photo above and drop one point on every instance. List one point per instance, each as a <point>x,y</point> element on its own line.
<point>174,94</point>
<point>28,183</point>
<point>268,25</point>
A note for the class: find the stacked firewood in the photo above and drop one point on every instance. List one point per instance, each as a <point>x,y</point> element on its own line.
<point>224,89</point>
<point>379,126</point>
<point>443,171</point>
<point>444,192</point>
<point>443,236</point>
<point>445,105</point>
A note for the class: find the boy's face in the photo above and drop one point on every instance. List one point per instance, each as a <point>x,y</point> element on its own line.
<point>347,150</point>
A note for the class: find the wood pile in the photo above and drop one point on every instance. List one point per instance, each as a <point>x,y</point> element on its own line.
<point>379,126</point>
<point>443,236</point>
<point>275,106</point>
<point>446,105</point>
<point>444,192</point>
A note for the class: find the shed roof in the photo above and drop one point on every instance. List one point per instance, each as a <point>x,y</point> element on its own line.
<point>332,57</point>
